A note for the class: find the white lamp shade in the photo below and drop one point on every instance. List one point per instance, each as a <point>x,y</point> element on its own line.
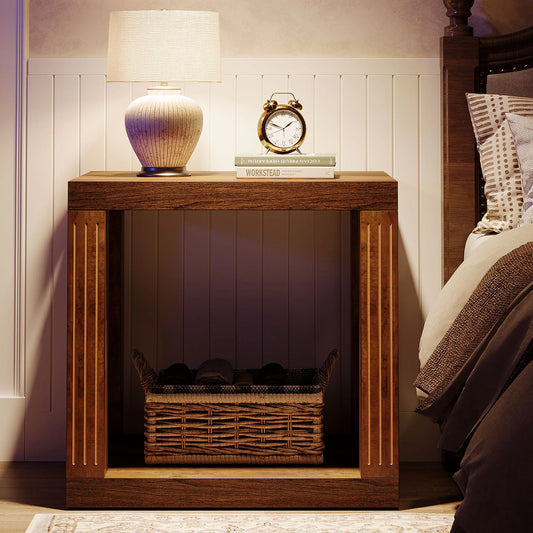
<point>162,46</point>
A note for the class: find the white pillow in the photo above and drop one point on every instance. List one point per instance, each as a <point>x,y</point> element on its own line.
<point>462,284</point>
<point>522,130</point>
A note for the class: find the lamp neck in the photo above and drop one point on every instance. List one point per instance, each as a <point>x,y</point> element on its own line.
<point>164,88</point>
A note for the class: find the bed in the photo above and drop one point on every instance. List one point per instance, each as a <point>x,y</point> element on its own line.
<point>476,349</point>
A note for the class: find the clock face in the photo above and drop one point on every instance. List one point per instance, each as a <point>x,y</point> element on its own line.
<point>283,130</point>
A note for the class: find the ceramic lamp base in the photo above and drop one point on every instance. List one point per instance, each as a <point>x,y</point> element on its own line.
<point>164,128</point>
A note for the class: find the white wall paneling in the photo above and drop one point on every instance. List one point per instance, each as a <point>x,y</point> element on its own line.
<point>249,286</point>
<point>12,213</point>
<point>8,144</point>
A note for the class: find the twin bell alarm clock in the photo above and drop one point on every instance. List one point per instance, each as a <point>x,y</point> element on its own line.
<point>281,128</point>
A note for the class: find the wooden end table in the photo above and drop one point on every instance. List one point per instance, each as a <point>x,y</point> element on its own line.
<point>96,202</point>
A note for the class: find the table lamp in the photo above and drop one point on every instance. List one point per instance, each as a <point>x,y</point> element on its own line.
<point>163,46</point>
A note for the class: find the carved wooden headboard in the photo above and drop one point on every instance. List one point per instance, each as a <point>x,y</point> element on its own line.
<point>466,62</point>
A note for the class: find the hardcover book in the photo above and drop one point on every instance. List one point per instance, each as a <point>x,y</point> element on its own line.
<point>285,160</point>
<point>285,172</point>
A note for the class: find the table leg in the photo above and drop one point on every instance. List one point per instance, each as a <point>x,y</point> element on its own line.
<point>378,342</point>
<point>86,351</point>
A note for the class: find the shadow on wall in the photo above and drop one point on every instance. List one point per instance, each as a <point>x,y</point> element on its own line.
<point>499,17</point>
<point>410,320</point>
<point>45,418</point>
<point>418,436</point>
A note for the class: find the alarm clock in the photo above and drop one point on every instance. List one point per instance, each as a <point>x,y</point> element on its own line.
<point>281,127</point>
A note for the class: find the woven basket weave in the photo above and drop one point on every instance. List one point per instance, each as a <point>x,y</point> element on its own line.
<point>228,424</point>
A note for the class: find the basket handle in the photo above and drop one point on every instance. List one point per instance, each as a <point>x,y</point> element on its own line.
<point>326,370</point>
<point>146,372</point>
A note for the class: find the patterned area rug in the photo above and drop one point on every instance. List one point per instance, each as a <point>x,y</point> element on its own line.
<point>242,522</point>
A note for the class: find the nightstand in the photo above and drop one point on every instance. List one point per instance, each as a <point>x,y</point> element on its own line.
<point>96,203</point>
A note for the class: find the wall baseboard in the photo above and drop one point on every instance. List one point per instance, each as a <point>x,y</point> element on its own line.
<point>12,429</point>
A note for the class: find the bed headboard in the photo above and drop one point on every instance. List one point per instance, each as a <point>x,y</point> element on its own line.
<point>467,62</point>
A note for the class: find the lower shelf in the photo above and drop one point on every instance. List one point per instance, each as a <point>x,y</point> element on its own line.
<point>178,489</point>
<point>128,483</point>
<point>245,472</point>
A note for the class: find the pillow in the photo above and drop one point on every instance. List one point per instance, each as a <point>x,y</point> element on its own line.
<point>522,130</point>
<point>499,161</point>
<point>462,284</point>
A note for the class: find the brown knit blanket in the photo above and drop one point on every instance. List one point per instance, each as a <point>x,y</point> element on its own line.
<point>483,311</point>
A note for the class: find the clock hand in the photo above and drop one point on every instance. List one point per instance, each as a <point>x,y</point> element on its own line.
<point>278,130</point>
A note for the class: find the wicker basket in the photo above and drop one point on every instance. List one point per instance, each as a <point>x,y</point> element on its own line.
<point>235,424</point>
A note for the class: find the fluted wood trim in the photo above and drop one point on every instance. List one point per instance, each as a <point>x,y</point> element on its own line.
<point>86,350</point>
<point>378,392</point>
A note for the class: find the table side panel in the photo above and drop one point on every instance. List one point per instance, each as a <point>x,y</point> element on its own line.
<point>86,454</point>
<point>378,382</point>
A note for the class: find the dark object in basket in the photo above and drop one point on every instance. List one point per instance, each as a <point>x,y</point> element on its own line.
<point>176,374</point>
<point>232,424</point>
<point>271,374</point>
<point>215,371</point>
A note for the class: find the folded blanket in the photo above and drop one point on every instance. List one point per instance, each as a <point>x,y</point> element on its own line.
<point>492,367</point>
<point>215,372</point>
<point>488,304</point>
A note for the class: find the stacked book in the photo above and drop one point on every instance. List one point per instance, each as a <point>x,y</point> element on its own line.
<point>285,165</point>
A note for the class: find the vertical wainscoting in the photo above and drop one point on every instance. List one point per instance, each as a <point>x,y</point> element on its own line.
<point>12,242</point>
<point>251,287</point>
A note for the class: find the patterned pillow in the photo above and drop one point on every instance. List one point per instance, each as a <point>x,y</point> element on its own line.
<point>499,162</point>
<point>522,130</point>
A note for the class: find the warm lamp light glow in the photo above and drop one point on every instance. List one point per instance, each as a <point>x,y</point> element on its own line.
<point>163,46</point>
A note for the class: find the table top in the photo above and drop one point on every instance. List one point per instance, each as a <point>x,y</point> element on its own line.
<point>222,190</point>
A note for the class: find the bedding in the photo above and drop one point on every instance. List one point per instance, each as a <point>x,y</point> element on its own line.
<point>502,354</point>
<point>496,470</point>
<point>460,286</point>
<point>478,382</point>
<point>478,385</point>
<point>477,349</point>
<point>498,158</point>
<point>488,304</point>
<point>474,240</point>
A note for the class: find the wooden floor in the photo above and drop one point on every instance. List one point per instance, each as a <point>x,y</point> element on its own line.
<point>30,488</point>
